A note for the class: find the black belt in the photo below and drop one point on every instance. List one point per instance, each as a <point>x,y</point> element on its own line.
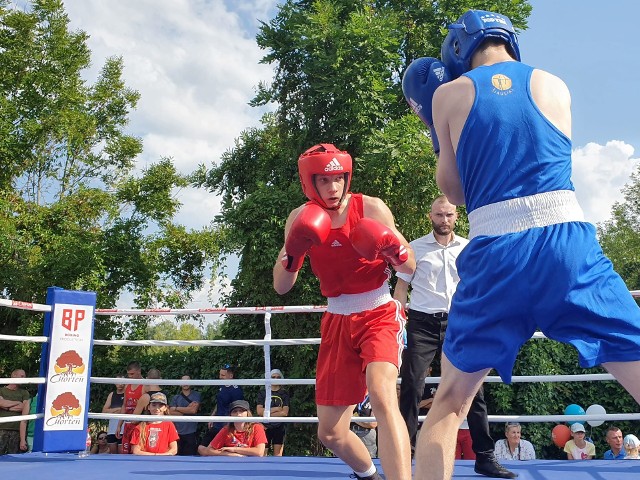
<point>439,314</point>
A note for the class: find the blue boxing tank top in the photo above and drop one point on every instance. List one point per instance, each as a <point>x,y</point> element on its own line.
<point>508,148</point>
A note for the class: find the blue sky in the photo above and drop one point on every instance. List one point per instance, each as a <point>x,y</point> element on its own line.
<point>594,48</point>
<point>195,64</point>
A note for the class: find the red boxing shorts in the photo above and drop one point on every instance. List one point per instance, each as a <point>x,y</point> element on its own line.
<point>350,343</point>
<point>127,431</point>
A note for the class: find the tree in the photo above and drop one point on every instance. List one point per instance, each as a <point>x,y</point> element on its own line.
<point>338,66</point>
<point>72,212</point>
<point>620,237</point>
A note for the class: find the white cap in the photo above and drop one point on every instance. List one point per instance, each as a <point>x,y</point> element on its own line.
<point>577,427</point>
<point>631,441</point>
<point>276,371</point>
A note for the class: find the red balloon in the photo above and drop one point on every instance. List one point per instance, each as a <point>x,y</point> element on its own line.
<point>560,435</point>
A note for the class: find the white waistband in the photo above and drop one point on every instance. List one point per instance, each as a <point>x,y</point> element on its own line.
<point>349,303</point>
<point>518,214</point>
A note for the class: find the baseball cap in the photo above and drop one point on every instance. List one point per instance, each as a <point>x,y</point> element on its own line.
<point>631,441</point>
<point>276,371</point>
<point>243,404</point>
<point>158,397</point>
<point>577,427</point>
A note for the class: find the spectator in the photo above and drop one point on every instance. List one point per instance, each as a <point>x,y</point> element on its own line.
<point>187,402</point>
<point>143,401</point>
<point>14,401</point>
<point>614,439</point>
<point>366,431</point>
<point>240,438</point>
<point>102,446</point>
<point>464,443</point>
<point>578,448</point>
<point>158,437</point>
<point>276,431</point>
<point>113,404</point>
<point>31,424</point>
<point>226,395</point>
<point>132,394</point>
<point>631,445</point>
<point>513,447</point>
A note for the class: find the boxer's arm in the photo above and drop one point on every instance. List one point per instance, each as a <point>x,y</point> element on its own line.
<point>283,280</point>
<point>401,292</point>
<point>447,174</point>
<point>376,209</point>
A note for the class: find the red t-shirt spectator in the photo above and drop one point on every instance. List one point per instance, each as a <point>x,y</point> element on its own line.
<point>239,439</point>
<point>158,436</point>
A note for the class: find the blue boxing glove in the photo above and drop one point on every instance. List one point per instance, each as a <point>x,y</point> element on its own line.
<point>419,84</point>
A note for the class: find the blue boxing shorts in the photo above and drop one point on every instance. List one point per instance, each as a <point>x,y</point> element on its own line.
<point>554,278</point>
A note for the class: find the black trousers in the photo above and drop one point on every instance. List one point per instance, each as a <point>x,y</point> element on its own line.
<point>425,336</point>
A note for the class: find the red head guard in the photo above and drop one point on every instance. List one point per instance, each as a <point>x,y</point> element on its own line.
<point>323,159</point>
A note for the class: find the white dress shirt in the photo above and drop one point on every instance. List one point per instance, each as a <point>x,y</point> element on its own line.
<point>436,277</point>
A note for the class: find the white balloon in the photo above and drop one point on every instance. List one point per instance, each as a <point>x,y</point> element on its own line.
<point>595,410</point>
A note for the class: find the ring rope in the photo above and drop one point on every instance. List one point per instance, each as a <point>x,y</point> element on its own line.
<point>266,343</point>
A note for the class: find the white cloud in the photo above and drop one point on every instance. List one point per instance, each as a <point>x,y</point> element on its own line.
<point>599,173</point>
<point>194,62</point>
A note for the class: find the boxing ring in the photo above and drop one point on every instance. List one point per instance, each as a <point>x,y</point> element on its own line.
<point>47,466</point>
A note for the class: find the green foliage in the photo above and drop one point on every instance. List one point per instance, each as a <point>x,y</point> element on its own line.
<point>620,236</point>
<point>72,213</point>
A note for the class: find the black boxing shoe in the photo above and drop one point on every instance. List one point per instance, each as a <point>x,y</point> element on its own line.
<point>487,465</point>
<point>375,476</point>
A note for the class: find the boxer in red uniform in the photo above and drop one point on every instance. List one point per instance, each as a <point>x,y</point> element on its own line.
<point>351,240</point>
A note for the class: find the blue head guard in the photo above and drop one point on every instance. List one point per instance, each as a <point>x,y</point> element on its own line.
<point>468,33</point>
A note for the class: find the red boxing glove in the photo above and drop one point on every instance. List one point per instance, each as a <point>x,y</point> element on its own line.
<point>372,240</point>
<point>311,227</point>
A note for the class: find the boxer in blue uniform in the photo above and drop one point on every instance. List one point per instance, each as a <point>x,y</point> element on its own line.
<point>504,131</point>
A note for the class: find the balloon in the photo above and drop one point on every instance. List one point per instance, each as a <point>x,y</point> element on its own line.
<point>595,410</point>
<point>560,435</point>
<point>574,409</point>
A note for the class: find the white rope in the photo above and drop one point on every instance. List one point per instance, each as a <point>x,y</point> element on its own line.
<point>492,418</point>
<point>36,307</point>
<point>212,311</point>
<point>310,381</point>
<point>18,418</point>
<point>209,343</point>
<point>22,381</point>
<point>21,338</point>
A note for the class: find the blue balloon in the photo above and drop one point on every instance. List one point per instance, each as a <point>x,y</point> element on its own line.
<point>574,409</point>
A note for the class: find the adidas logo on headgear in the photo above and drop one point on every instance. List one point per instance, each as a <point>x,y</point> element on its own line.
<point>333,165</point>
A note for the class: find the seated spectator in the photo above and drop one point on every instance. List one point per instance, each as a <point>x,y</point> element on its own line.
<point>279,408</point>
<point>239,438</point>
<point>631,445</point>
<point>158,437</point>
<point>513,447</point>
<point>366,431</point>
<point>614,439</point>
<point>101,446</point>
<point>464,445</point>
<point>578,448</point>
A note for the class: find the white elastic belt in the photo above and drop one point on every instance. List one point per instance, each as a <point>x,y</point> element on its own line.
<point>518,214</point>
<point>349,303</point>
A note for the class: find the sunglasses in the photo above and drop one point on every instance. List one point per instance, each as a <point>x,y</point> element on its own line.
<point>102,438</point>
<point>276,376</point>
<point>227,366</point>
